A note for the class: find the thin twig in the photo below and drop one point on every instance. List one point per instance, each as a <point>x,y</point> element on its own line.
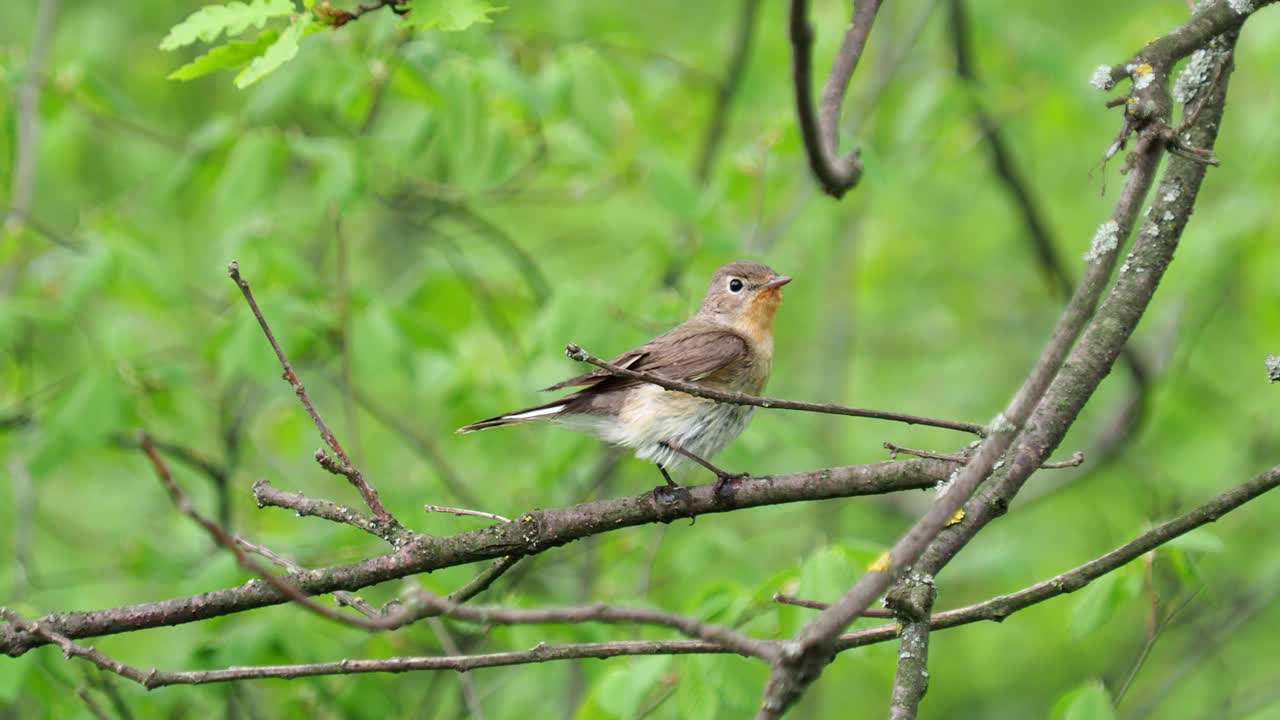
<point>344,466</point>
<point>268,495</point>
<point>1077,458</point>
<point>469,695</point>
<point>786,599</point>
<point>24,509</point>
<point>734,398</point>
<point>27,130</point>
<point>600,612</point>
<point>713,136</point>
<point>481,582</point>
<point>94,708</point>
<point>465,512</point>
<point>225,539</point>
<point>337,17</point>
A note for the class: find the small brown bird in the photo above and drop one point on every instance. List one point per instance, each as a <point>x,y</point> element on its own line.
<point>727,345</point>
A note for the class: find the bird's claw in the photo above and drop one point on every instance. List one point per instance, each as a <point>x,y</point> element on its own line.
<point>724,480</point>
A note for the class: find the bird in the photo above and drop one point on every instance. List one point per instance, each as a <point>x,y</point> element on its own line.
<point>727,345</point>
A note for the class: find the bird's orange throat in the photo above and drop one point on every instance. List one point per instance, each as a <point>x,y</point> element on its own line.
<point>757,321</point>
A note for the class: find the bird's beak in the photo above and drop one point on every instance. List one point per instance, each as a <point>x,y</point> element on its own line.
<point>776,282</point>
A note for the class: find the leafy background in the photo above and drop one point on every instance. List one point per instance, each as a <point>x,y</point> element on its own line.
<point>428,215</point>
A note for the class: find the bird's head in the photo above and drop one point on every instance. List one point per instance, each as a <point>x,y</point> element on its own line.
<point>744,295</point>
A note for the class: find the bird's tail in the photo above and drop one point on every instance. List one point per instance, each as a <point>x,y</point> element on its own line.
<point>539,412</point>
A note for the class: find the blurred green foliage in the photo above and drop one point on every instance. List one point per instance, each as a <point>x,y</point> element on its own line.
<point>428,217</point>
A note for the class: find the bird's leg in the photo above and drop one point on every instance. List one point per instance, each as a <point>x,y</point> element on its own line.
<point>667,476</point>
<point>723,478</point>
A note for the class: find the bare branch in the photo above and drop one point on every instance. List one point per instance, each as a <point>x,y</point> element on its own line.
<point>1128,417</point>
<point>465,512</point>
<point>343,466</point>
<point>224,538</point>
<point>818,605</point>
<point>734,398</point>
<point>821,133</point>
<point>1000,607</point>
<point>268,495</point>
<point>27,130</point>
<point>689,626</point>
<point>996,609</point>
<point>1077,457</point>
<point>1092,358</point>
<point>529,534</point>
<point>1210,20</point>
<point>713,136</point>
<point>814,644</point>
<point>481,582</point>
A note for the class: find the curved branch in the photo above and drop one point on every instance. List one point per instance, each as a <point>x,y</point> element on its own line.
<point>809,654</point>
<point>821,133</point>
<point>1091,361</point>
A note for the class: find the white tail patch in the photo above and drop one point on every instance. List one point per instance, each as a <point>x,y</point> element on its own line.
<point>531,414</point>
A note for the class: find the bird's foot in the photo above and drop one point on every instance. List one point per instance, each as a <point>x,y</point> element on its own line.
<point>724,480</point>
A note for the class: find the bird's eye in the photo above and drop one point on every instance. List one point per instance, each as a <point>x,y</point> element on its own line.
<point>735,285</point>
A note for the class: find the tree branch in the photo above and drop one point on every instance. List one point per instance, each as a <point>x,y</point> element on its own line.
<point>996,609</point>
<point>1105,337</point>
<point>531,533</point>
<point>735,398</point>
<point>268,495</point>
<point>813,646</point>
<point>27,130</point>
<point>343,465</point>
<point>821,133</point>
<point>1128,418</point>
<point>1092,359</point>
<point>713,136</point>
<point>1000,607</point>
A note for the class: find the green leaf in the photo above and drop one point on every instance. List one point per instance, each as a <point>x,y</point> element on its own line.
<point>1091,702</point>
<point>624,689</point>
<point>210,21</point>
<point>1098,602</point>
<point>451,15</point>
<point>1199,540</point>
<point>234,54</point>
<point>284,49</point>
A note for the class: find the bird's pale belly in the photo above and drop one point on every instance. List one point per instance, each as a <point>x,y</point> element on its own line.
<point>652,416</point>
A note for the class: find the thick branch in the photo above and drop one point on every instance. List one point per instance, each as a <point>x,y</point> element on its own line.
<point>530,533</point>
<point>1091,361</point>
<point>998,608</point>
<point>995,609</point>
<point>736,398</point>
<point>805,659</point>
<point>1210,20</point>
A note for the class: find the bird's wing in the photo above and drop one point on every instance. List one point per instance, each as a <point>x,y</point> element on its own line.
<point>692,355</point>
<point>625,360</point>
<point>688,352</point>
